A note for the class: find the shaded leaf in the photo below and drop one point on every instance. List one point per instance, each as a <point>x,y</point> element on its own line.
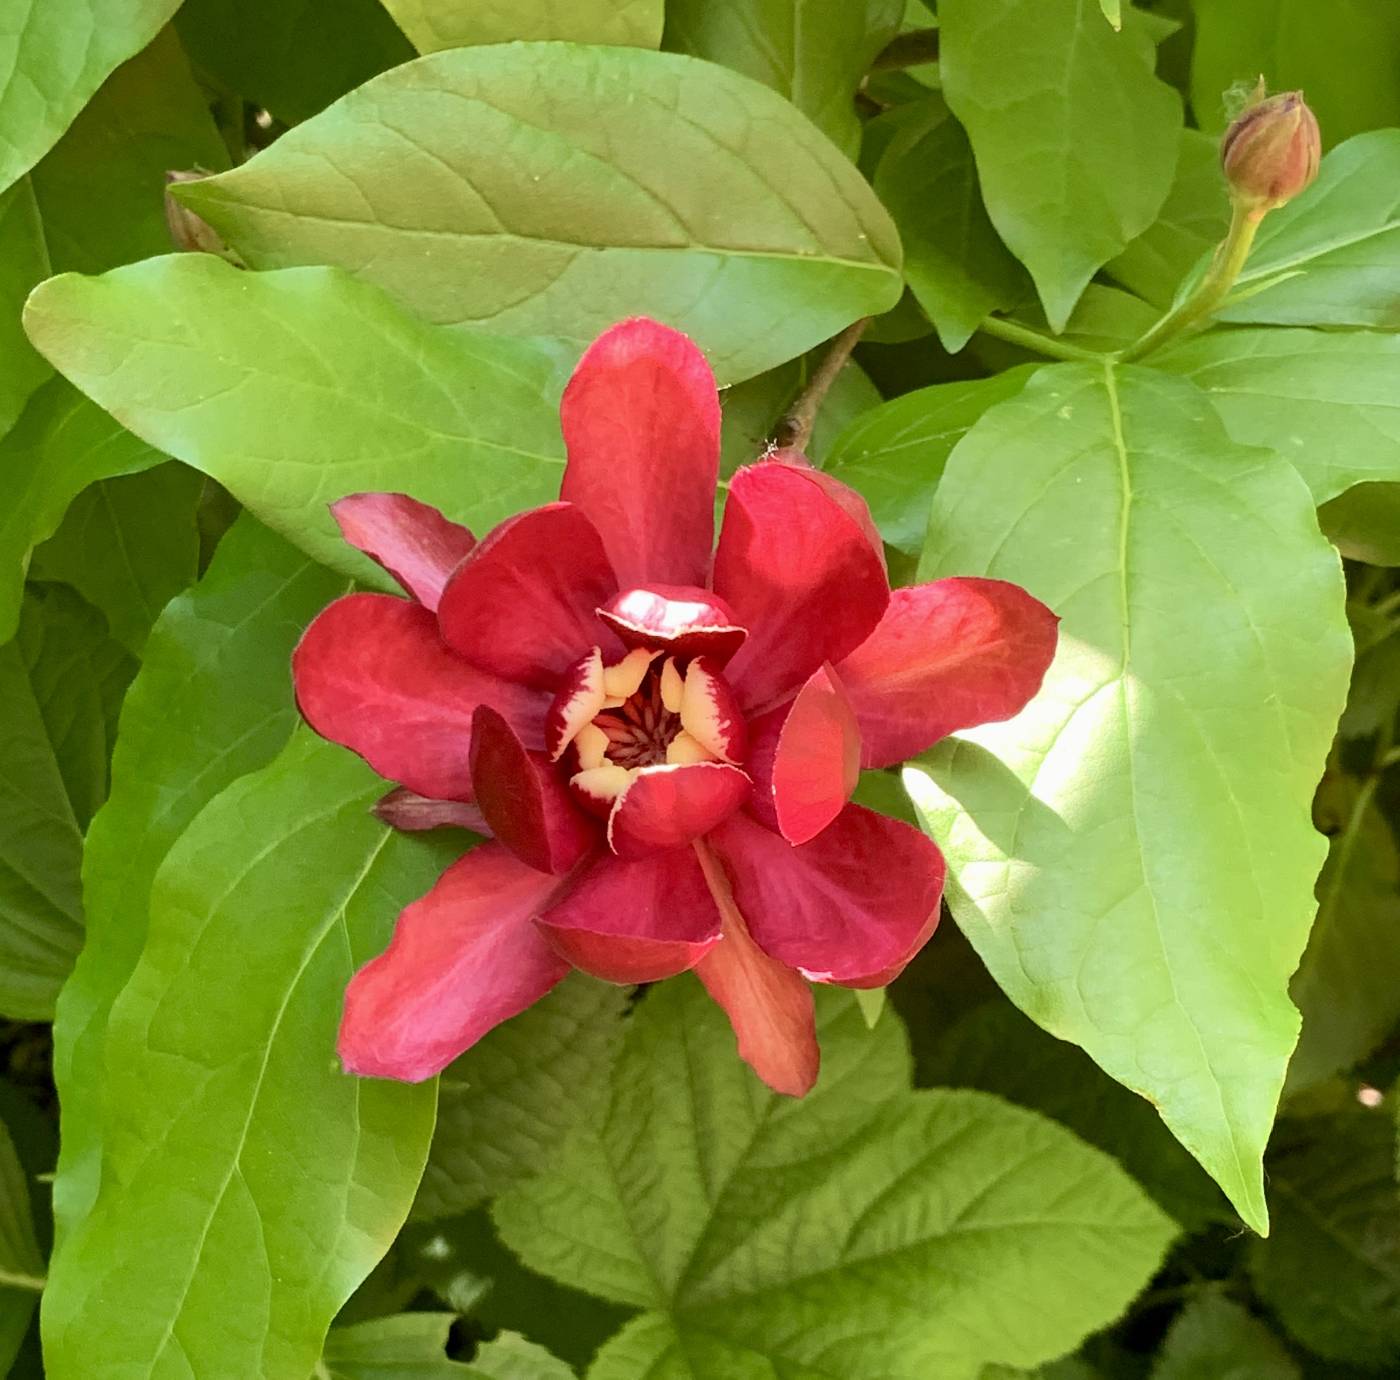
<point>24,261</point>
<point>1134,854</point>
<point>435,24</point>
<point>1364,522</point>
<point>1214,1339</point>
<point>21,1265</point>
<point>516,186</point>
<point>413,1344</point>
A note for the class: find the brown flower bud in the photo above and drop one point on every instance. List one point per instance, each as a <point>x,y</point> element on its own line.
<point>1270,153</point>
<point>187,230</point>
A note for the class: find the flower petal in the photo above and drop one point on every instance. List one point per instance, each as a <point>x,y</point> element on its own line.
<point>946,656</point>
<point>641,426</point>
<point>464,958</point>
<point>372,674</point>
<point>523,604</point>
<point>800,575</point>
<point>637,921</point>
<point>710,713</point>
<point>523,800</point>
<point>853,906</point>
<point>845,497</point>
<point>805,759</point>
<point>402,809</point>
<point>677,619</point>
<point>412,541</point>
<point>667,806</point>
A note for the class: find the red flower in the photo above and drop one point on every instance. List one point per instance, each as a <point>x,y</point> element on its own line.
<point>662,736</point>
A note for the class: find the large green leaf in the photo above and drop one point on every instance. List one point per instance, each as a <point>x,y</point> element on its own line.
<point>101,188</point>
<point>294,389</point>
<point>21,1264</point>
<point>411,1345</point>
<point>506,1104</point>
<point>213,701</point>
<point>1134,855</point>
<point>128,546</point>
<point>60,445</point>
<point>24,261</point>
<point>1336,247</point>
<point>815,55</point>
<point>435,24</point>
<point>1348,984</point>
<point>1215,1339</point>
<point>864,1232</point>
<point>1331,1271</point>
<point>1326,400</point>
<point>1345,55</point>
<point>53,55</point>
<point>221,1076</point>
<point>1076,139</point>
<point>518,186</point>
<point>58,681</point>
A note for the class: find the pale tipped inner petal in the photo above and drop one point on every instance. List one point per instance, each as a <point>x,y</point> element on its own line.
<point>709,715</point>
<point>603,784</point>
<point>672,686</point>
<point>622,681</point>
<point>576,704</point>
<point>684,750</point>
<point>592,744</point>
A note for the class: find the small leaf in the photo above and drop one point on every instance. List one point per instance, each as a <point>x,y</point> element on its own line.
<point>385,1348</point>
<point>1214,1339</point>
<point>517,187</point>
<point>1080,162</point>
<point>1113,12</point>
<point>1364,522</point>
<point>24,261</point>
<point>1133,855</point>
<point>435,24</point>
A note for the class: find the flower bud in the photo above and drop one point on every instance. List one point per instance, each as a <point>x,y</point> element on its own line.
<point>187,230</point>
<point>1270,153</point>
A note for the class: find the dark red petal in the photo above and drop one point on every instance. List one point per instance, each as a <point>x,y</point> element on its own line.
<point>666,807</point>
<point>845,497</point>
<point>412,541</point>
<point>464,958</point>
<point>524,604</point>
<point>680,620</point>
<point>799,574</point>
<point>372,674</point>
<point>946,656</point>
<point>805,759</point>
<point>635,921</point>
<point>402,809</point>
<point>641,425</point>
<point>856,902</point>
<point>524,801</point>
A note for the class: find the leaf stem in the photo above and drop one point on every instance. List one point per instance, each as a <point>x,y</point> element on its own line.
<point>911,49</point>
<point>1208,295</point>
<point>1016,334</point>
<point>13,1279</point>
<point>794,429</point>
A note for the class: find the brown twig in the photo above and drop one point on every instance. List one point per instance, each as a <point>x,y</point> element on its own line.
<point>913,49</point>
<point>794,429</point>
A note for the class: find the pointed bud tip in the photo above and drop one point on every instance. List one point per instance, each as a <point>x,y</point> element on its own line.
<point>1271,151</point>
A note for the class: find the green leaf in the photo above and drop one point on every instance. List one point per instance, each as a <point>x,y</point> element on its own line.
<point>435,24</point>
<point>221,1076</point>
<point>60,445</point>
<point>517,186</point>
<point>1348,984</point>
<point>1339,244</point>
<point>506,1104</point>
<point>1192,220</point>
<point>294,389</point>
<point>1133,854</point>
<point>1346,57</point>
<point>413,1344</point>
<point>1076,140</point>
<point>953,261</point>
<point>814,55</point>
<point>1113,12</point>
<point>1214,1339</point>
<point>24,261</point>
<point>213,701</point>
<point>1331,1271</point>
<point>128,546</point>
<point>53,55</point>
<point>58,682</point>
<point>100,188</point>
<point>21,1264</point>
<point>1325,400</point>
<point>894,454</point>
<point>293,57</point>
<point>995,1048</point>
<point>1364,522</point>
<point>862,1232</point>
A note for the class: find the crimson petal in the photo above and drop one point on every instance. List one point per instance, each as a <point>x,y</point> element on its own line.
<point>800,575</point>
<point>853,906</point>
<point>372,674</point>
<point>523,604</point>
<point>677,619</point>
<point>412,541</point>
<point>635,921</point>
<point>845,497</point>
<point>641,426</point>
<point>523,800</point>
<point>947,655</point>
<point>804,758</point>
<point>464,958</point>
<point>667,806</point>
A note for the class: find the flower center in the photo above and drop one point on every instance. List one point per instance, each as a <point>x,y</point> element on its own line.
<point>640,730</point>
